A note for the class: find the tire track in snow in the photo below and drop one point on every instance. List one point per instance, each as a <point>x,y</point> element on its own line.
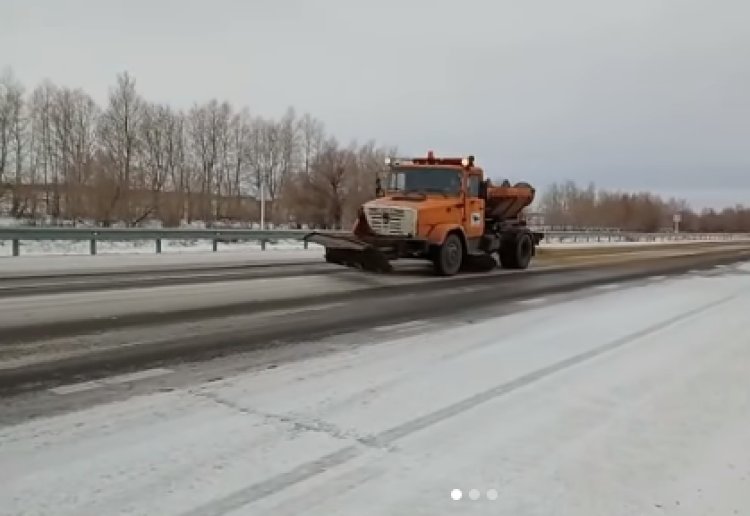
<point>387,438</point>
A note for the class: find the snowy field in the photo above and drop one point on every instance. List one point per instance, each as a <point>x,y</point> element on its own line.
<point>633,400</point>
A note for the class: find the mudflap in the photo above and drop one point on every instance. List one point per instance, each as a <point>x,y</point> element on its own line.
<point>349,251</point>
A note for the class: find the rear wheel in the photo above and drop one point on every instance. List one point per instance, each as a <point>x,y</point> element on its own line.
<point>449,256</point>
<point>516,251</point>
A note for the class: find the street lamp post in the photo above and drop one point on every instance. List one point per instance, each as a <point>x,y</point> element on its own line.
<point>262,204</point>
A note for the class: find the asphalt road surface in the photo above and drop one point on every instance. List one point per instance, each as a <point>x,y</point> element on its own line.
<point>57,274</point>
<point>627,397</point>
<point>78,335</point>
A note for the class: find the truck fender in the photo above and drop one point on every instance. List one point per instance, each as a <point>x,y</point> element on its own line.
<point>437,233</point>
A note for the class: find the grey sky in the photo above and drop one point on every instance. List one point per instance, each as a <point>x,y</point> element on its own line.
<point>638,94</point>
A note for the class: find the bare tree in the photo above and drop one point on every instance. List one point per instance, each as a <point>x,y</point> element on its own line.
<point>241,131</point>
<point>329,179</point>
<point>119,128</point>
<point>61,156</point>
<point>311,138</point>
<point>43,149</point>
<point>10,112</point>
<point>210,137</point>
<point>161,137</point>
<point>73,118</point>
<point>15,140</point>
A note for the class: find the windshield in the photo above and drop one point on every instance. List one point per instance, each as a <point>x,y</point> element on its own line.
<point>425,180</point>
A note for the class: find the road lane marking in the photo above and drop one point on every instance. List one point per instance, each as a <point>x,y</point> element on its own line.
<point>609,286</point>
<point>533,301</point>
<point>401,326</point>
<point>304,309</point>
<point>75,388</point>
<point>134,377</point>
<point>300,310</point>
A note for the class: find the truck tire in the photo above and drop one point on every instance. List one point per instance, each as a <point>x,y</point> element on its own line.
<point>516,252</point>
<point>449,256</point>
<point>331,257</point>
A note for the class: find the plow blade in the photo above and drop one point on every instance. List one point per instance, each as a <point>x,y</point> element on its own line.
<point>349,251</point>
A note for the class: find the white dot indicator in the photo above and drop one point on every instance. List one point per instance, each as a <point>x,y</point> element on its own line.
<point>492,494</point>
<point>474,494</point>
<point>456,494</point>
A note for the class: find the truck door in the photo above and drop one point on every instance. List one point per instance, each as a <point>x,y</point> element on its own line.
<point>473,208</point>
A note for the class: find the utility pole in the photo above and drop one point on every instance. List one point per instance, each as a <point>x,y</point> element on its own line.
<point>262,203</point>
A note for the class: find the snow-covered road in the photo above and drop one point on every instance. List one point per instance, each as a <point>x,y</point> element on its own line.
<point>628,401</point>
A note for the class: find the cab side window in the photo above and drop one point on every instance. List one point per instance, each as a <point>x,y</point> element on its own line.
<point>473,186</point>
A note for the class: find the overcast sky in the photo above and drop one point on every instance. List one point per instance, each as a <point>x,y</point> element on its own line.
<point>637,94</point>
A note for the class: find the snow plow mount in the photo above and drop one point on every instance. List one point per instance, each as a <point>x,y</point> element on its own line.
<point>350,251</point>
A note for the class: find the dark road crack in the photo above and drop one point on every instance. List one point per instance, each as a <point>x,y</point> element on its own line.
<point>299,423</point>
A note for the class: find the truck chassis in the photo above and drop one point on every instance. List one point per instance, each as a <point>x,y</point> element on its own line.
<point>509,244</point>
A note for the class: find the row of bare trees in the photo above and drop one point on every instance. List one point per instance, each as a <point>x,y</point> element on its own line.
<point>64,157</point>
<point>568,204</point>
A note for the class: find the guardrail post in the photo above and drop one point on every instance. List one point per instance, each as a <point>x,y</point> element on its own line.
<point>263,245</point>
<point>304,244</point>
<point>16,247</point>
<point>92,246</point>
<point>158,246</point>
<point>215,245</point>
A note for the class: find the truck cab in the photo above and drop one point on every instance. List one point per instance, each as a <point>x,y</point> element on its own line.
<point>425,198</point>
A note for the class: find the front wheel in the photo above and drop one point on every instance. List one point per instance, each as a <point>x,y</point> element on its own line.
<point>449,256</point>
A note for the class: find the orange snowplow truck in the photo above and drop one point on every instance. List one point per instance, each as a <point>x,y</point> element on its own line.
<point>437,209</point>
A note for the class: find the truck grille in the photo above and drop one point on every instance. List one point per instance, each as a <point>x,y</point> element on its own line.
<point>391,221</point>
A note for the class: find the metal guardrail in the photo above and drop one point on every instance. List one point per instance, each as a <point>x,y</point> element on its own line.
<point>630,236</point>
<point>94,235</point>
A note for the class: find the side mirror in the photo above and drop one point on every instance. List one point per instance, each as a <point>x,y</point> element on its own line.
<point>483,189</point>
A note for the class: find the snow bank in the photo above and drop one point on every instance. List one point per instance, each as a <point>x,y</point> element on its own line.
<point>61,264</point>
